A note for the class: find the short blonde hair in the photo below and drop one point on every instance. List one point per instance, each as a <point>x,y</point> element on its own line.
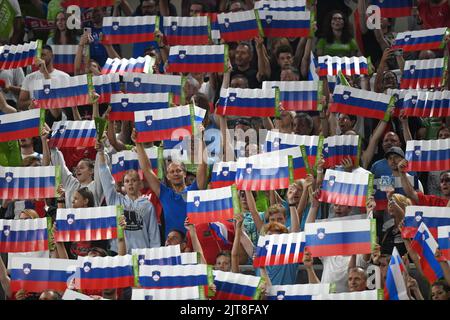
<point>274,227</point>
<point>401,200</point>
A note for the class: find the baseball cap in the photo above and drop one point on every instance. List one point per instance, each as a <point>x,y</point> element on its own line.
<point>395,150</point>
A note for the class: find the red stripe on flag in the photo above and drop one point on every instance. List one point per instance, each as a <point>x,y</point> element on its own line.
<point>16,194</point>
<point>395,12</point>
<point>19,134</point>
<point>420,83</point>
<point>105,283</point>
<point>418,46</point>
<point>427,112</point>
<point>432,165</point>
<point>220,184</point>
<point>286,33</point>
<point>336,160</point>
<point>72,142</point>
<point>197,67</point>
<point>359,111</point>
<point>187,40</point>
<point>239,35</point>
<point>272,184</point>
<point>410,232</point>
<point>158,135</point>
<point>299,105</point>
<point>206,217</point>
<point>339,249</point>
<point>125,115</point>
<point>56,103</point>
<point>247,111</point>
<point>342,199</point>
<point>37,286</point>
<point>127,38</point>
<point>24,246</point>
<point>86,235</point>
<point>220,295</point>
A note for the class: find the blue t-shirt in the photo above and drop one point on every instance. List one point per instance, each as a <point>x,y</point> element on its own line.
<point>281,275</point>
<point>381,168</point>
<point>174,206</point>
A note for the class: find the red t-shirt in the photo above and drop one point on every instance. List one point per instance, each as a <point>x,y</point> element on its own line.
<point>150,195</point>
<point>431,201</point>
<point>434,16</point>
<point>73,155</point>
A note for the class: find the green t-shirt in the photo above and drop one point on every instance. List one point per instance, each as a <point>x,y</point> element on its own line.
<point>337,48</point>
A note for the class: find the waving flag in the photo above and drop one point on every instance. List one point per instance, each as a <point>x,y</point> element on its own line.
<point>395,287</point>
<point>425,245</point>
<point>212,205</point>
<point>63,92</point>
<point>19,56</point>
<point>337,148</point>
<point>236,286</point>
<point>381,196</point>
<point>433,217</point>
<point>277,141</point>
<point>292,24</point>
<point>72,134</point>
<point>123,106</point>
<point>298,95</point>
<point>155,83</point>
<point>128,160</point>
<point>119,30</point>
<point>238,26</point>
<point>39,274</point>
<point>88,3</point>
<point>186,30</point>
<point>427,104</point>
<point>424,74</point>
<point>362,103</point>
<point>162,256</point>
<point>23,235</point>
<point>347,189</point>
<point>349,66</point>
<point>376,294</point>
<point>420,40</point>
<point>185,293</point>
<point>213,58</point>
<point>298,291</point>
<point>105,85</point>
<point>87,224</point>
<point>21,125</point>
<point>21,183</point>
<point>64,57</point>
<point>95,273</point>
<point>248,102</point>
<point>394,8</point>
<point>340,238</point>
<point>285,5</point>
<point>165,124</point>
<point>175,276</point>
<point>223,174</point>
<point>444,241</point>
<point>279,249</point>
<point>122,66</point>
<point>428,155</point>
<point>220,233</point>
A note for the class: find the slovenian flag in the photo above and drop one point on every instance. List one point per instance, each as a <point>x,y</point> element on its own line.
<point>248,102</point>
<point>376,294</point>
<point>429,39</point>
<point>349,66</point>
<point>279,249</point>
<point>96,273</point>
<point>238,26</point>
<point>236,286</point>
<point>87,224</point>
<point>24,235</point>
<point>73,134</point>
<point>428,155</point>
<point>395,287</point>
<point>39,274</point>
<point>123,106</point>
<point>298,95</point>
<point>19,56</point>
<point>285,5</point>
<point>278,141</point>
<point>21,125</point>
<point>119,30</point>
<point>298,291</point>
<point>126,160</point>
<point>186,30</point>
<point>166,124</point>
<point>433,217</point>
<point>162,256</point>
<point>185,293</point>
<point>427,104</point>
<point>122,66</point>
<point>22,183</point>
<point>340,238</point>
<point>105,85</point>
<point>347,189</point>
<point>424,74</point>
<point>444,241</point>
<point>220,233</point>
<point>155,83</point>
<point>212,58</point>
<point>381,196</point>
<point>223,174</point>
<point>63,92</point>
<point>88,3</point>
<point>64,57</point>
<point>337,148</point>
<point>190,258</point>
<point>204,206</point>
<point>361,103</point>
<point>425,245</point>
<point>291,24</point>
<point>159,277</point>
<point>394,8</point>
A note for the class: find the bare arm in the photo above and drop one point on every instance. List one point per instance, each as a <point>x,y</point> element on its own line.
<point>164,8</point>
<point>125,6</point>
<point>194,239</point>
<point>18,30</point>
<point>308,263</point>
<point>5,281</point>
<point>202,169</point>
<point>252,207</point>
<point>236,243</point>
<point>313,210</point>
<point>263,60</point>
<point>368,154</point>
<point>84,40</point>
<point>4,106</point>
<point>45,131</point>
<point>301,51</point>
<point>111,134</point>
<point>306,59</point>
<point>405,126</point>
<point>121,242</point>
<point>378,86</point>
<point>24,101</point>
<point>112,53</point>
<point>295,224</point>
<point>406,184</point>
<point>362,7</point>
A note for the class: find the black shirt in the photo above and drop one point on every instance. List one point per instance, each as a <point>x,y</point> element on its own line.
<point>250,74</point>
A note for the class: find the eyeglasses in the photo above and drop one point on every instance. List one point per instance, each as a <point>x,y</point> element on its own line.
<point>337,18</point>
<point>445,180</point>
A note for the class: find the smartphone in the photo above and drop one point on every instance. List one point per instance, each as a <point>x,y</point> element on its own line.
<point>88,30</point>
<point>398,52</point>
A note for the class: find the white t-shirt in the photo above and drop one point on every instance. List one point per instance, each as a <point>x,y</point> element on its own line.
<point>14,77</point>
<point>29,81</point>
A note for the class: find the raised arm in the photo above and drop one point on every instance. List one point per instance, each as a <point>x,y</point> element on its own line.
<point>239,219</point>
<point>196,245</point>
<point>406,184</point>
<point>5,281</point>
<point>263,60</point>
<point>254,212</point>
<point>314,209</point>
<point>295,224</point>
<point>378,86</point>
<point>117,144</point>
<point>45,131</point>
<point>308,263</point>
<point>407,136</point>
<point>202,169</point>
<point>84,41</point>
<point>368,154</point>
<point>4,106</point>
<point>164,8</point>
<point>106,179</point>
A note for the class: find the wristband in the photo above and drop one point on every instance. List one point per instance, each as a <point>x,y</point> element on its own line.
<point>292,205</point>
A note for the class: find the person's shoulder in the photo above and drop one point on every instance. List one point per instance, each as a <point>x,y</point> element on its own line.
<point>59,73</point>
